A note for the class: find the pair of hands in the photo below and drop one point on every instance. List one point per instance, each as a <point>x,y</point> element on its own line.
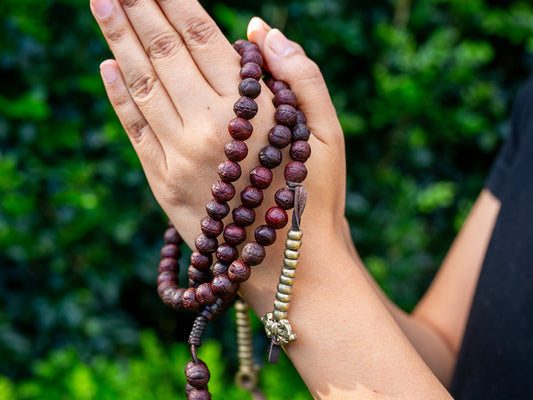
<point>173,84</point>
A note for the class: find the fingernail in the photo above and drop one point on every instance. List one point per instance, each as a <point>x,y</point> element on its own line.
<point>258,23</point>
<point>279,43</point>
<point>108,71</point>
<point>103,7</point>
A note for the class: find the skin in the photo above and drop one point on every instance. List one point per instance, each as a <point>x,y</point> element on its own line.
<point>173,84</point>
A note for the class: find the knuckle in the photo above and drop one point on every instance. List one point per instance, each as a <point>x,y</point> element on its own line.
<point>129,3</point>
<point>136,129</point>
<point>164,45</point>
<point>142,85</point>
<point>200,32</point>
<point>116,35</point>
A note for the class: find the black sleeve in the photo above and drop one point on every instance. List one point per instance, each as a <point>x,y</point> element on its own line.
<point>521,118</point>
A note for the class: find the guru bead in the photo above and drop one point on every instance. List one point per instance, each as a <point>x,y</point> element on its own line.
<point>279,136</point>
<point>236,150</point>
<point>285,96</point>
<point>240,128</point>
<point>222,191</point>
<point>261,177</point>
<point>197,374</point>
<point>229,171</point>
<point>234,234</point>
<point>249,87</point>
<point>270,157</point>
<point>253,253</point>
<point>251,70</point>
<point>251,197</point>
<point>276,217</point>
<point>284,198</point>
<point>300,151</point>
<point>245,108</point>
<point>295,171</point>
<point>211,227</point>
<point>217,210</point>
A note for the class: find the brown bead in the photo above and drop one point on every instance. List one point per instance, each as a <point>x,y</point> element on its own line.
<point>201,261</point>
<point>170,250</point>
<point>234,234</point>
<point>217,210</point>
<point>250,87</point>
<point>300,132</point>
<point>261,177</point>
<point>240,128</point>
<point>197,275</point>
<point>236,150</point>
<point>172,236</point>
<point>239,271</point>
<point>194,284</point>
<point>219,268</point>
<point>284,198</point>
<point>199,394</point>
<point>265,235</point>
<point>226,254</point>
<point>251,197</point>
<point>166,276</point>
<point>189,300</point>
<point>188,389</point>
<point>279,136</point>
<point>176,299</point>
<point>211,227</point>
<point>229,171</point>
<point>243,216</point>
<point>270,157</point>
<point>286,115</point>
<point>285,96</point>
<point>301,118</point>
<point>295,171</point>
<point>253,253</point>
<point>165,290</point>
<point>251,70</point>
<point>245,108</point>
<point>205,294</point>
<point>214,310</point>
<point>276,86</point>
<point>170,224</point>
<point>276,217</point>
<point>238,44</point>
<point>300,151</point>
<point>223,286</point>
<point>197,374</point>
<point>168,264</point>
<point>205,245</point>
<point>222,191</point>
<point>246,46</point>
<point>251,56</point>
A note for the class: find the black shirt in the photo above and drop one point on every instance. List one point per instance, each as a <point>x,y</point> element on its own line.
<point>496,357</point>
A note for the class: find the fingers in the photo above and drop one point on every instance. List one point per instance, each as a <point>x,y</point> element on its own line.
<point>140,133</point>
<point>211,51</point>
<point>287,61</point>
<point>141,81</point>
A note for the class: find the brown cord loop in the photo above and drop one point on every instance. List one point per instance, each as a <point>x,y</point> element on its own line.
<point>300,199</point>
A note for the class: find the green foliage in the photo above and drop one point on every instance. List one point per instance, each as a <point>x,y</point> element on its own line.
<point>156,373</point>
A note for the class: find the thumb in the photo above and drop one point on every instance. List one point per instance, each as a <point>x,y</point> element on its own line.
<point>287,62</point>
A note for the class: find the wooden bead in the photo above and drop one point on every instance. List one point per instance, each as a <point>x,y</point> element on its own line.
<point>276,86</point>
<point>243,216</point>
<point>300,132</point>
<point>251,56</point>
<point>205,294</point>
<point>197,374</point>
<point>223,286</point>
<point>239,271</point>
<point>261,177</point>
<point>168,264</point>
<point>176,299</point>
<point>276,217</point>
<point>253,253</point>
<point>211,227</point>
<point>300,151</point>
<point>285,114</point>
<point>236,150</point>
<point>284,198</point>
<point>265,235</point>
<point>206,245</point>
<point>250,87</point>
<point>251,70</point>
<point>189,300</point>
<point>201,261</point>
<point>222,191</point>
<point>229,171</point>
<point>197,275</point>
<point>301,117</point>
<point>219,268</point>
<point>239,44</point>
<point>247,45</point>
<point>279,136</point>
<point>295,171</point>
<point>166,276</point>
<point>245,108</point>
<point>199,394</point>
<point>240,128</point>
<point>251,197</point>
<point>194,284</point>
<point>270,157</point>
<point>217,210</point>
<point>226,254</point>
<point>165,290</point>
<point>234,234</point>
<point>172,236</point>
<point>285,96</point>
<point>170,250</point>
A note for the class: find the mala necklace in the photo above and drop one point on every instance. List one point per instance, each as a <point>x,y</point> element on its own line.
<point>213,286</point>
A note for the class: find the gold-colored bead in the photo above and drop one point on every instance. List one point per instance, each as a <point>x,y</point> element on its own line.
<point>293,244</point>
<point>290,263</point>
<point>292,254</point>
<point>287,280</point>
<point>288,271</point>
<point>283,297</point>
<point>281,306</point>
<point>294,235</point>
<point>279,315</point>
<point>285,289</point>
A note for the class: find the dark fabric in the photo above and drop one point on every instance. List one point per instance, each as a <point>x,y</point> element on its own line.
<point>496,357</point>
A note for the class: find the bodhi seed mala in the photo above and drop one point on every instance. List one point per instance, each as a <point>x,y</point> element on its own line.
<point>213,286</point>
